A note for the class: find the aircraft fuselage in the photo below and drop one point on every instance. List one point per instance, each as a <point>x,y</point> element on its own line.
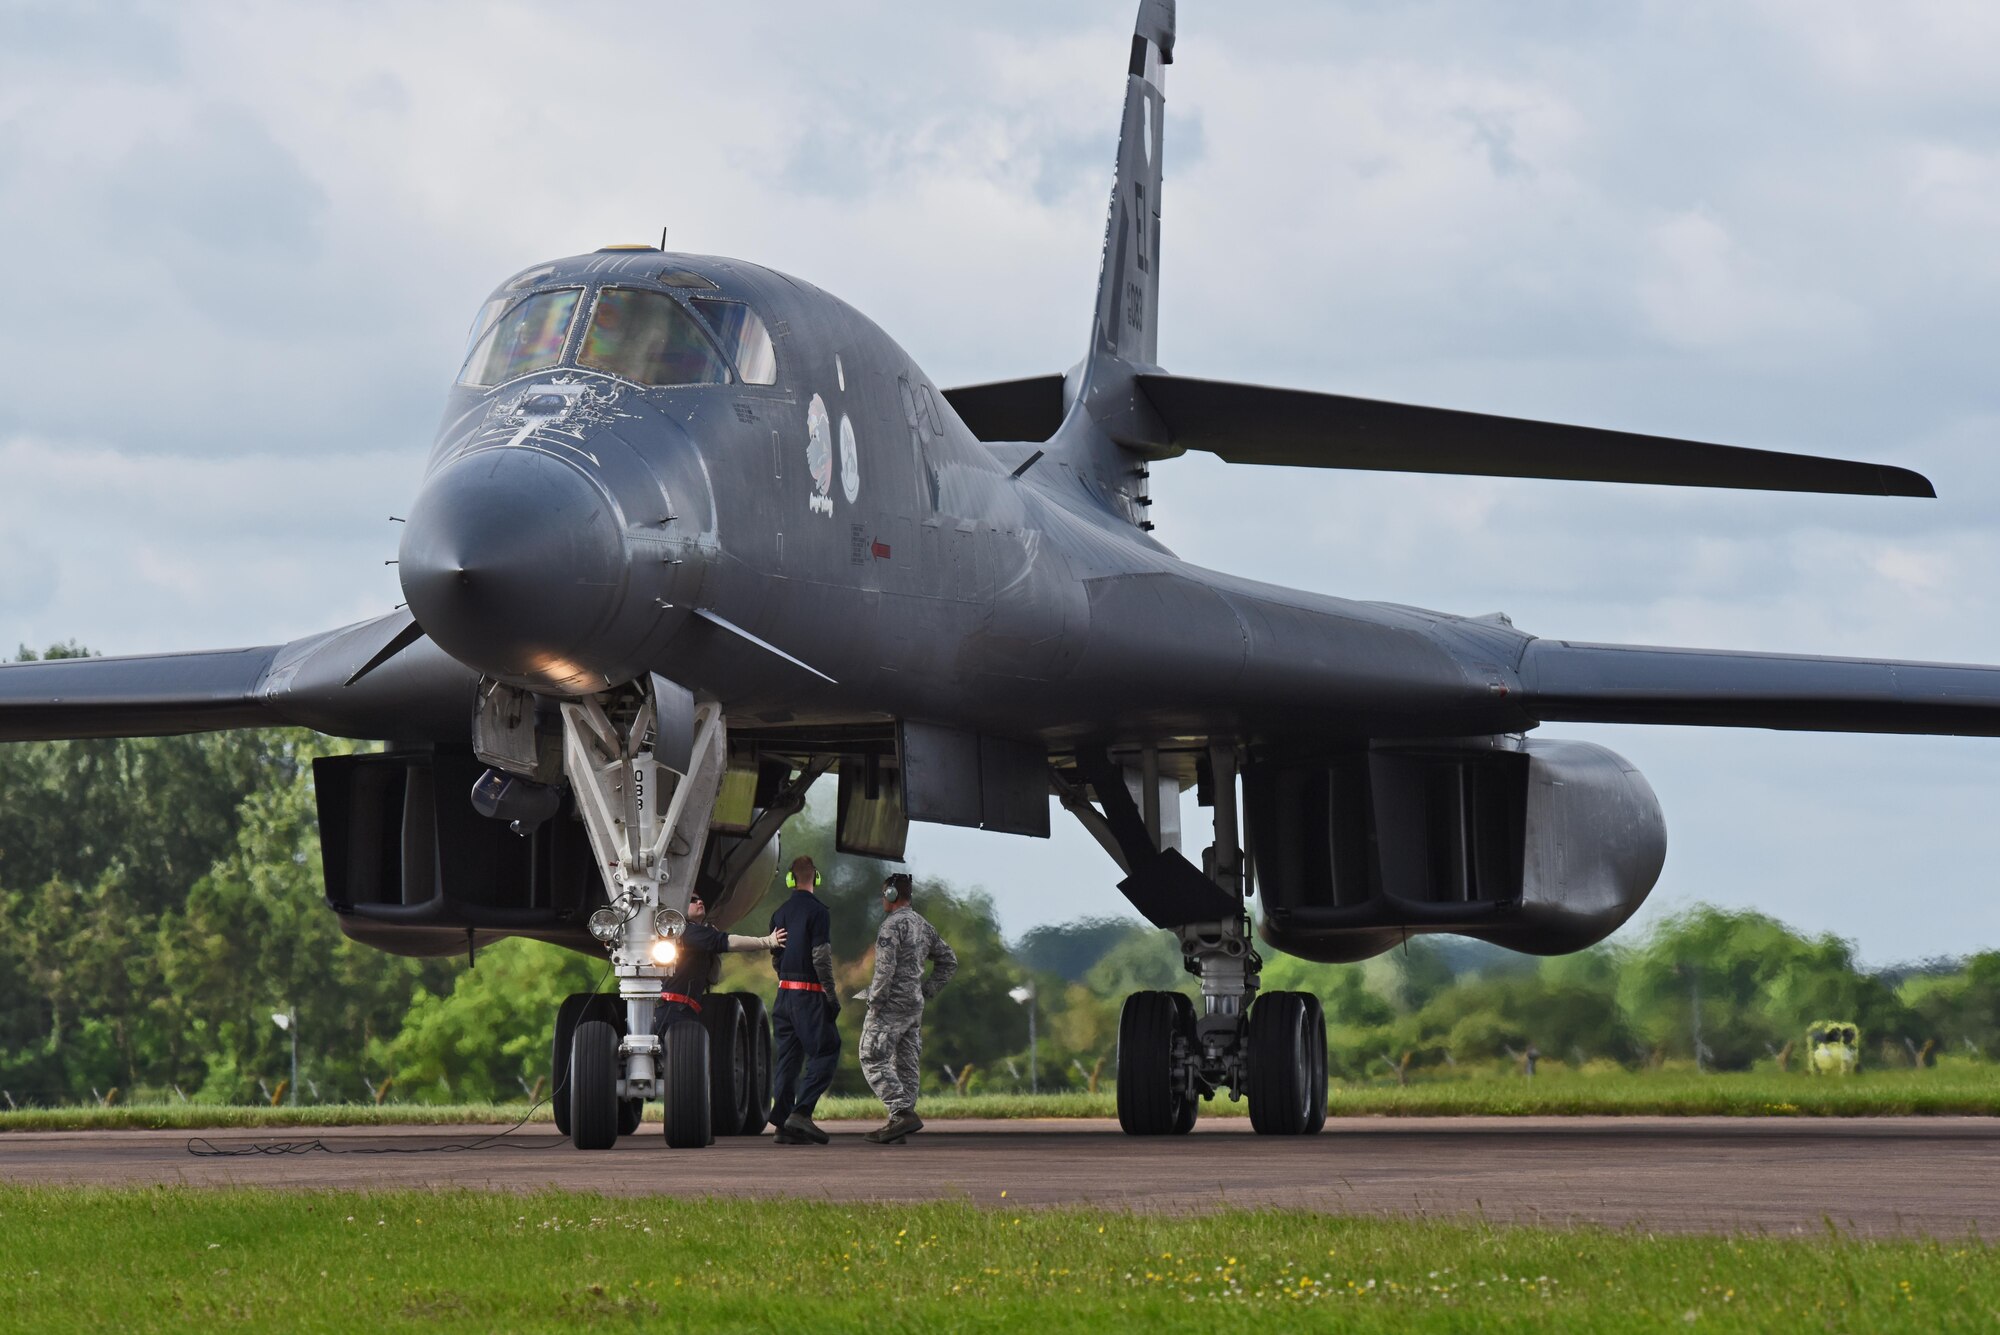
<point>846,516</point>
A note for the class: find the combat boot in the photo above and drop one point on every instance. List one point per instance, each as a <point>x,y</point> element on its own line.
<point>801,1125</point>
<point>897,1129</point>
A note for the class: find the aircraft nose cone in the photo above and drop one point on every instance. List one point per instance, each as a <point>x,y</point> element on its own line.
<point>514,562</point>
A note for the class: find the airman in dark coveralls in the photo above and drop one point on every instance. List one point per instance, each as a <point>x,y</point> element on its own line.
<point>803,1018</point>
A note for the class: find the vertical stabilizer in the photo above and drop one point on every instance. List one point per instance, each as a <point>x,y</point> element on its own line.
<point>1126,323</point>
<point>1109,429</point>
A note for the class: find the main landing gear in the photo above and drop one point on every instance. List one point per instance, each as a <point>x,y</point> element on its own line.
<point>1168,1061</point>
<point>1270,1047</point>
<point>623,753</point>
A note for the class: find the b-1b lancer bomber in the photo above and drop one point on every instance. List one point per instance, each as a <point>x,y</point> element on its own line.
<point>695,535</point>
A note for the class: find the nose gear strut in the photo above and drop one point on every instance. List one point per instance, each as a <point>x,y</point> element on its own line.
<point>645,764</point>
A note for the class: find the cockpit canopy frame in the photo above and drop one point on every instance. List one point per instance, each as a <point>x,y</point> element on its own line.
<point>655,336</point>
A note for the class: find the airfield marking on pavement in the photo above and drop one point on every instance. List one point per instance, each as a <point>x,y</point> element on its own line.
<point>1929,1175</point>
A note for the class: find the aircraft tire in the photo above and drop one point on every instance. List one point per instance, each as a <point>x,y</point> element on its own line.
<point>567,1015</point>
<point>593,1086</point>
<point>1187,1107</point>
<point>730,1061</point>
<point>1281,1065</point>
<point>757,1024</point>
<point>684,1062</point>
<point>1316,1094</point>
<point>575,1009</point>
<point>611,1010</point>
<point>1146,1102</point>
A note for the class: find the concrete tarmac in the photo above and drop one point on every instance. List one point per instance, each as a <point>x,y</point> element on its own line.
<point>1938,1176</point>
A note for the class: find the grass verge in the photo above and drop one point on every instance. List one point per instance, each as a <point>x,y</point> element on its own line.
<point>1959,1089</point>
<point>466,1261</point>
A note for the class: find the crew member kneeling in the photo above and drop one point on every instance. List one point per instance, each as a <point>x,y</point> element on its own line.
<point>892,1038</point>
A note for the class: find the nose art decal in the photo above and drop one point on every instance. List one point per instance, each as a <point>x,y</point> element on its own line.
<point>819,456</point>
<point>850,462</point>
<point>560,411</point>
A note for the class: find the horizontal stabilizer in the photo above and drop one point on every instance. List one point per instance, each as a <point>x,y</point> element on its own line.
<point>1253,424</point>
<point>1613,683</point>
<point>1029,409</point>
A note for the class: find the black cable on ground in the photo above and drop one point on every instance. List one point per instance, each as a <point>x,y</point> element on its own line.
<point>204,1148</point>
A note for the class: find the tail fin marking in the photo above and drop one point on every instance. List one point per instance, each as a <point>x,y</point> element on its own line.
<point>1126,321</point>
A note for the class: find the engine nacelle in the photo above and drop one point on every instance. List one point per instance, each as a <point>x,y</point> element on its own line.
<point>1544,847</point>
<point>413,869</point>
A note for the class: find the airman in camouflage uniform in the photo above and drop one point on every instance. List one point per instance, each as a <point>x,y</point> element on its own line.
<point>892,1040</point>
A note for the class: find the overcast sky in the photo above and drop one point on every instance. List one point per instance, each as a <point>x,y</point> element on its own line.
<point>243,243</point>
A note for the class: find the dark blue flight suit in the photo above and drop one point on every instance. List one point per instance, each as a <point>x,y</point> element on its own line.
<point>804,1015</point>
<point>686,983</point>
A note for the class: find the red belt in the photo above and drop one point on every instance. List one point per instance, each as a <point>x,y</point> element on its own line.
<point>689,1002</point>
<point>791,985</point>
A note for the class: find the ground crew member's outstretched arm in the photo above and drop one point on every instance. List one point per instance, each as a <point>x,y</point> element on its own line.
<point>944,963</point>
<point>700,936</point>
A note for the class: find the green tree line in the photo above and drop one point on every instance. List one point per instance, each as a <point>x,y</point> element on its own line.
<point>160,900</point>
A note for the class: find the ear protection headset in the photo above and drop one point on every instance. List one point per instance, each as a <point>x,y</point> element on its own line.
<point>792,879</point>
<point>896,886</point>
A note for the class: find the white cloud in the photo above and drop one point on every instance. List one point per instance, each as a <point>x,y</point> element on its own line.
<point>133,553</point>
<point>1940,50</point>
<point>1700,289</point>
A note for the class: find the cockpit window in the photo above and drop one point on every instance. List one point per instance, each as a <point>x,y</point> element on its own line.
<point>743,337</point>
<point>528,338</point>
<point>484,320</point>
<point>647,337</point>
<point>529,277</point>
<point>685,278</point>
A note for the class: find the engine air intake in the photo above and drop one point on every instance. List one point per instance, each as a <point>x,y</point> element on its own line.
<point>1541,846</point>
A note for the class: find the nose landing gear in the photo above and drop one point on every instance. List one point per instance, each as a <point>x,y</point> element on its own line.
<point>715,1074</point>
<point>622,754</point>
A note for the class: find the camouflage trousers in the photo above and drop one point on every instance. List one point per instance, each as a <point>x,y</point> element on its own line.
<point>892,1052</point>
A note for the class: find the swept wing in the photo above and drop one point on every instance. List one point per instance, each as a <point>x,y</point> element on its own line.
<point>418,695</point>
<point>1569,682</point>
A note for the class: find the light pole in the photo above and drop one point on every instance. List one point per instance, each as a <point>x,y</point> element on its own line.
<point>1025,995</point>
<point>288,1020</point>
<point>1694,1013</point>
